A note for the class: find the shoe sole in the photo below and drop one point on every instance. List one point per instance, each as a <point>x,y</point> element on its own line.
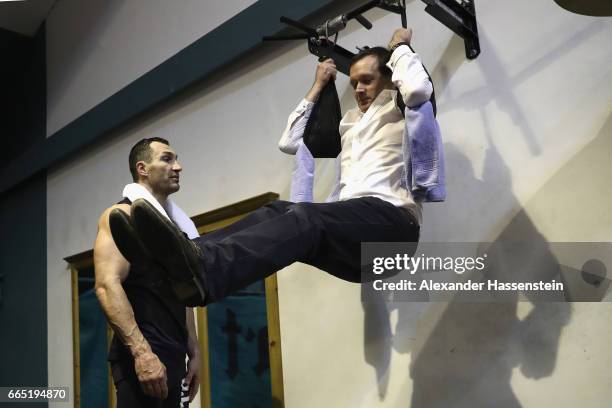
<point>169,247</point>
<point>126,239</point>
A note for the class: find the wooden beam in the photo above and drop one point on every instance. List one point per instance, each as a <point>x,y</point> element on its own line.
<point>76,344</point>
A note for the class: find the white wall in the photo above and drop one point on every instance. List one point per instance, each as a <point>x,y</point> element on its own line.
<point>94,51</point>
<point>527,134</point>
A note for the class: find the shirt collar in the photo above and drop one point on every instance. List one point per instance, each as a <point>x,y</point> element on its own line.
<point>384,97</point>
<point>355,115</point>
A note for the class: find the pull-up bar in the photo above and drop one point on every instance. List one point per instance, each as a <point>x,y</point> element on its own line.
<point>457,15</point>
<point>460,17</point>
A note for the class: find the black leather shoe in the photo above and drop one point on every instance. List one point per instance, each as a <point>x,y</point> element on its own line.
<point>131,247</point>
<point>168,245</point>
<point>126,239</point>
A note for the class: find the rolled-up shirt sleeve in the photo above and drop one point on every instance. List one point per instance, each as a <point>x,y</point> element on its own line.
<point>296,124</point>
<point>409,76</point>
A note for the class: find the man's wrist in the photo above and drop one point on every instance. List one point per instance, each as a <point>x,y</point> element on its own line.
<point>140,348</point>
<point>193,348</point>
<point>314,92</point>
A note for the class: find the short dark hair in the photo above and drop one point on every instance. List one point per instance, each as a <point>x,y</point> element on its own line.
<point>141,151</point>
<point>381,53</point>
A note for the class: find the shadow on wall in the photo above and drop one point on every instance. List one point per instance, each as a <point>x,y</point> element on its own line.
<point>466,359</point>
<point>500,83</point>
<point>463,354</point>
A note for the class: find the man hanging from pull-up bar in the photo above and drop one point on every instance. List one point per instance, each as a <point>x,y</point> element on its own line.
<point>375,203</point>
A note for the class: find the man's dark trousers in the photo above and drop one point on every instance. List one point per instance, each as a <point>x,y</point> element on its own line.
<point>325,235</point>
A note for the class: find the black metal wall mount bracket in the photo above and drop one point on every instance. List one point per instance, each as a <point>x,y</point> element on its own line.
<point>457,15</point>
<point>460,17</point>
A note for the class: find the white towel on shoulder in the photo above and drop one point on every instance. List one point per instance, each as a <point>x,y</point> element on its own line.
<point>173,212</point>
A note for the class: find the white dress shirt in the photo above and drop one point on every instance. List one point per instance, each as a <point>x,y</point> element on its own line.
<point>372,160</point>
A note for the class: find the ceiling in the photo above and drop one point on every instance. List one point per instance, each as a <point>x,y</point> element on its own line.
<point>24,16</point>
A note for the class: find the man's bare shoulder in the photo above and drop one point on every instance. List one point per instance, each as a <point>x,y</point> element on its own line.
<point>108,261</point>
<point>103,220</point>
<point>124,207</point>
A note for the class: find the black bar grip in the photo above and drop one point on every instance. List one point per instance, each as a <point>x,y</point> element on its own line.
<point>364,21</point>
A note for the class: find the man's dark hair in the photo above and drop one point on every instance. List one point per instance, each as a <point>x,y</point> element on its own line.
<point>381,53</point>
<point>142,152</point>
